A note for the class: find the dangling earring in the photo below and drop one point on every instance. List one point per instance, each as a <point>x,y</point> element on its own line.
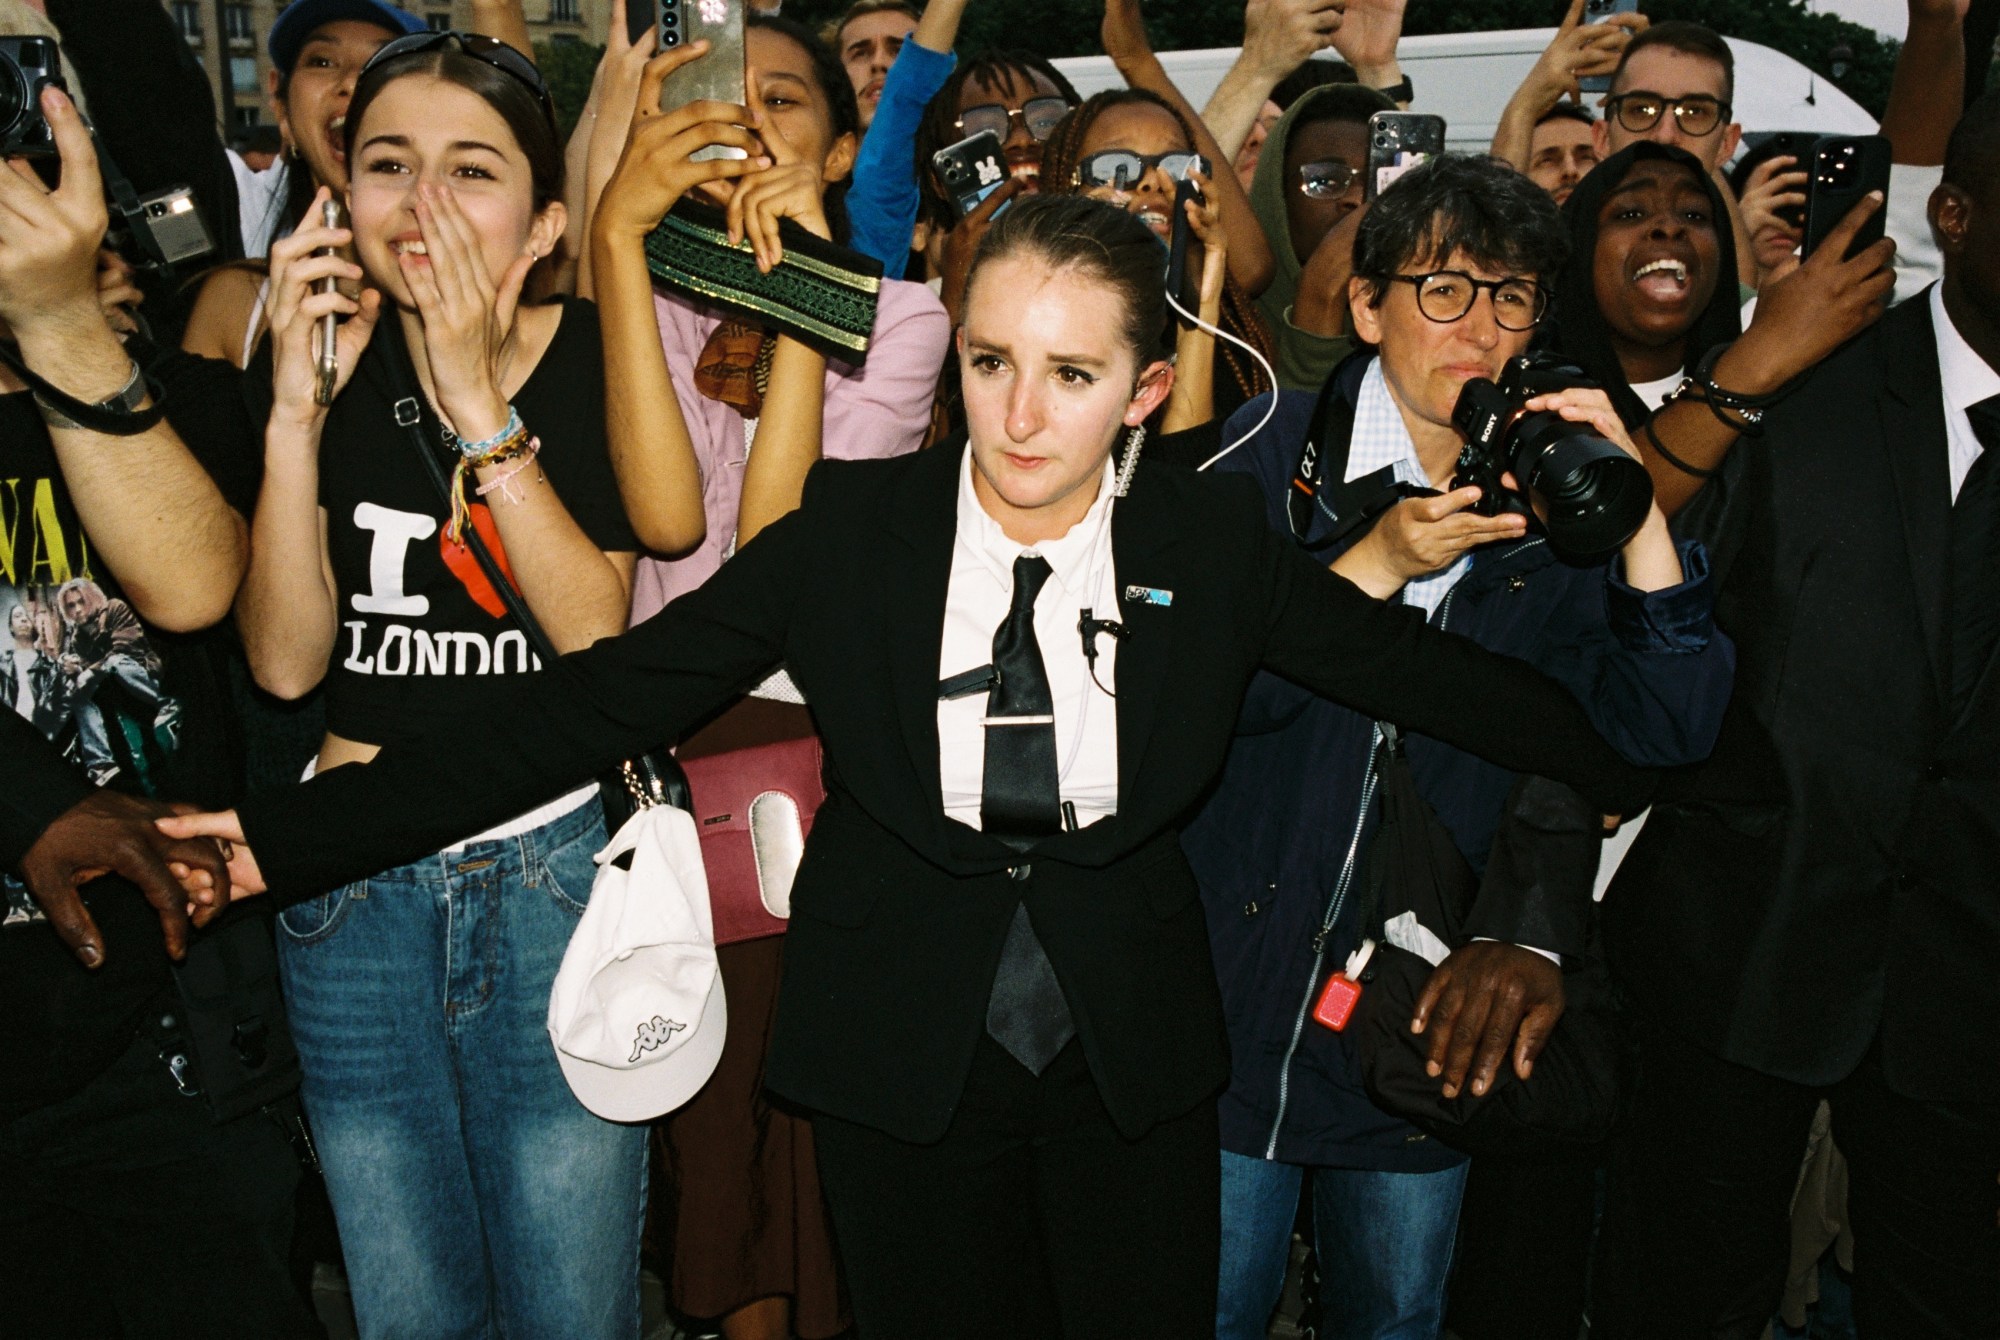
<point>1133,441</point>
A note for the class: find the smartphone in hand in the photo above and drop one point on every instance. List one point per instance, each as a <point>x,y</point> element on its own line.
<point>719,75</point>
<point>1397,142</point>
<point>1843,169</point>
<point>1597,11</point>
<point>1184,263</point>
<point>971,170</point>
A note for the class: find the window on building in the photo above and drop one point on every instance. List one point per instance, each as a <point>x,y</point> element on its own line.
<point>245,116</point>
<point>440,23</point>
<point>563,11</point>
<point>187,17</point>
<point>236,22</point>
<point>243,74</point>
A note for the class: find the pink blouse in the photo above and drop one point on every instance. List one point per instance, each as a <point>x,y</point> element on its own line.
<point>880,409</point>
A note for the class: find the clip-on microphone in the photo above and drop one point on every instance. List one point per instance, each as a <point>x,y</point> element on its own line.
<point>1088,626</point>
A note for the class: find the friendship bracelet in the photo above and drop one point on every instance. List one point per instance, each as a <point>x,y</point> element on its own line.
<point>503,482</point>
<point>485,445</point>
<point>1674,460</point>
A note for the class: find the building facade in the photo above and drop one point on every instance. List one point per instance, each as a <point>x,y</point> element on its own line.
<point>227,37</point>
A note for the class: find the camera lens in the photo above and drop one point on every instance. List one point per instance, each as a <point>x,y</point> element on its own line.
<point>1596,495</point>
<point>14,97</point>
<point>669,38</point>
<point>669,19</point>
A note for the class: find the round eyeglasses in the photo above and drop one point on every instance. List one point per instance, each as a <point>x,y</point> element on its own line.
<point>1121,169</point>
<point>1327,180</point>
<point>1446,296</point>
<point>1039,115</point>
<point>1697,116</point>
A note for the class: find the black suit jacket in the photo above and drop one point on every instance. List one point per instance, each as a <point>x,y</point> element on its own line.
<point>1828,876</point>
<point>898,912</point>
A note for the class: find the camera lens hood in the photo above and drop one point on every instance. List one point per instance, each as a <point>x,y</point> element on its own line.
<point>1596,497</point>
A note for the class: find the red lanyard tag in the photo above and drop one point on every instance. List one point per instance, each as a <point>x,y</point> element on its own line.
<point>1343,990</point>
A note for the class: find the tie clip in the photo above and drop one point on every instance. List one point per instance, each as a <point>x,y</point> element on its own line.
<point>1046,720</point>
<point>969,683</point>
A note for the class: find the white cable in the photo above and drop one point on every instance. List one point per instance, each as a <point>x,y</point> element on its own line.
<point>1269,373</point>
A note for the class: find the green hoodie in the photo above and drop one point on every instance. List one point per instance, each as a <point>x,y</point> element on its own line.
<point>1304,359</point>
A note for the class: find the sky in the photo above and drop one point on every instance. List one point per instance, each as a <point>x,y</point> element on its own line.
<point>1887,16</point>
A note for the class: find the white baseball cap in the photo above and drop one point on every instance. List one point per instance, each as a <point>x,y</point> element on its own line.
<point>637,1013</point>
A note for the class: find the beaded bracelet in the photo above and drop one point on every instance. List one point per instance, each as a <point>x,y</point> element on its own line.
<point>475,450</point>
<point>503,482</point>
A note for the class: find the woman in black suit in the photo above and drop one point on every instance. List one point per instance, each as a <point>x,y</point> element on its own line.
<point>998,1000</point>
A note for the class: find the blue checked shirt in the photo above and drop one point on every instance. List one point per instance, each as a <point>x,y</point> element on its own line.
<point>1380,438</point>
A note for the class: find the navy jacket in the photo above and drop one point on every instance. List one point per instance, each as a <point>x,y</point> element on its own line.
<point>1284,838</point>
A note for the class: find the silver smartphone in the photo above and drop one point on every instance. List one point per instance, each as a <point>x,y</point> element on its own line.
<point>719,74</point>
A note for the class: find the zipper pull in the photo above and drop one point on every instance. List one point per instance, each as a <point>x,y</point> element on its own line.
<point>1319,942</point>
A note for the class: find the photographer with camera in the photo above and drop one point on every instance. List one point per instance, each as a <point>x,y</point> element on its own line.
<point>1447,292</point>
<point>125,1208</point>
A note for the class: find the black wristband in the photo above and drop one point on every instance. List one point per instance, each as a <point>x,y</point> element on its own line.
<point>108,418</point>
<point>1674,460</point>
<point>1405,92</point>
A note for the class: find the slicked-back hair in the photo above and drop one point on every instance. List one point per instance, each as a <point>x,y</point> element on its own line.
<point>861,9</point>
<point>1689,38</point>
<point>1972,155</point>
<point>939,128</point>
<point>1097,241</point>
<point>1460,203</point>
<point>1568,111</point>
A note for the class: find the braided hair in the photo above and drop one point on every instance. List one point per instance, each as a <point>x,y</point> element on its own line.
<point>1060,158</point>
<point>939,127</point>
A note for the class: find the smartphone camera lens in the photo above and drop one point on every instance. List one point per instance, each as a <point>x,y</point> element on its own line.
<point>669,19</point>
<point>668,37</point>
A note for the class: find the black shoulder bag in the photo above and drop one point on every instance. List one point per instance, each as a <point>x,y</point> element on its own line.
<point>1573,1099</point>
<point>640,782</point>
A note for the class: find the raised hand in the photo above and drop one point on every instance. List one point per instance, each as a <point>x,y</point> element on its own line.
<point>1280,34</point>
<point>117,294</point>
<point>1124,32</point>
<point>1806,315</point>
<point>295,309</point>
<point>1369,32</point>
<point>1578,51</point>
<point>789,188</point>
<point>49,239</point>
<point>468,317</point>
<point>1775,184</point>
<point>655,169</point>
<point>962,242</point>
<point>1205,218</point>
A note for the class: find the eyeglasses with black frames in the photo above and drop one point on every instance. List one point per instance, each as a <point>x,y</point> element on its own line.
<point>1697,115</point>
<point>1446,296</point>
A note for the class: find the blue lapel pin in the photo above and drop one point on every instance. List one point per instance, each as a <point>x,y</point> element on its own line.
<point>1149,595</point>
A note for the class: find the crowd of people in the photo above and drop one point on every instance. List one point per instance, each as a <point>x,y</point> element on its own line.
<point>1255,812</point>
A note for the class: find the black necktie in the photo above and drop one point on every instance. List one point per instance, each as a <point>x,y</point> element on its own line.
<point>1975,559</point>
<point>1019,802</point>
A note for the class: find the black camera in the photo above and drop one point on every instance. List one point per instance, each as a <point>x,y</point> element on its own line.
<point>1593,496</point>
<point>27,66</point>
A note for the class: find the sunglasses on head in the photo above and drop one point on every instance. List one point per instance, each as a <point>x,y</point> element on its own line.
<point>489,50</point>
<point>1121,169</point>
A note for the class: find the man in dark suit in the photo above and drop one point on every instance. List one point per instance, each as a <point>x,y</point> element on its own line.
<point>1812,914</point>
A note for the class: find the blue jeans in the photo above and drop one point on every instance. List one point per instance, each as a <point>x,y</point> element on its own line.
<point>1384,1241</point>
<point>475,1196</point>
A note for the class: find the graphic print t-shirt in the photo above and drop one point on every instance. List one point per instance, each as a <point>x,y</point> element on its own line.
<point>419,624</point>
<point>134,709</point>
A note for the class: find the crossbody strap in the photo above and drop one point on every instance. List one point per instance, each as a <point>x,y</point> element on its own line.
<point>654,773</point>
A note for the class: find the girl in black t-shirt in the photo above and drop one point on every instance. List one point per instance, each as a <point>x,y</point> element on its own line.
<point>474,1194</point>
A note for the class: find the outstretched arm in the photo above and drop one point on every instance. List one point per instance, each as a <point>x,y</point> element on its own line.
<point>538,735</point>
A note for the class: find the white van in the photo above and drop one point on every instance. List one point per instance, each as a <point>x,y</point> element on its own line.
<point>1467,78</point>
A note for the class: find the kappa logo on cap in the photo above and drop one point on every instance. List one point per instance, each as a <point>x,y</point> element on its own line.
<point>655,1032</point>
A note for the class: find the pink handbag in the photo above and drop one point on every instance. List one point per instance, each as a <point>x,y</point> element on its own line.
<point>753,807</point>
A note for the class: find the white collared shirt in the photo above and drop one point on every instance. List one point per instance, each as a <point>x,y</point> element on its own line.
<point>1968,379</point>
<point>980,593</point>
<point>1382,438</point>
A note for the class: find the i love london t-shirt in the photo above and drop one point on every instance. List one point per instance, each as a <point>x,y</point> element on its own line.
<point>420,627</point>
